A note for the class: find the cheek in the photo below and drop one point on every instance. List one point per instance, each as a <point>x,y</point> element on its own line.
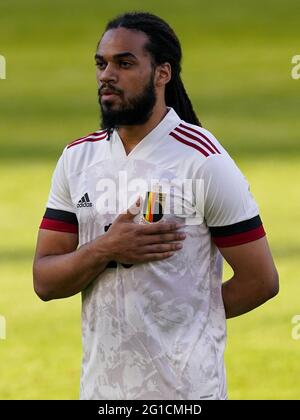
<point>136,84</point>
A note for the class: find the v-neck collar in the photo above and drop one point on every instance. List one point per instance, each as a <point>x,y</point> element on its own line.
<point>150,141</point>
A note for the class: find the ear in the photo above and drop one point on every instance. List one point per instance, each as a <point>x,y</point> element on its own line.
<point>163,74</point>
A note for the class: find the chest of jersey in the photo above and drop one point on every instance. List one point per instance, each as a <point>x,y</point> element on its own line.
<point>107,188</point>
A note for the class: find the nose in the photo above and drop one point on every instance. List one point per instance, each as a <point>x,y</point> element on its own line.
<point>107,75</point>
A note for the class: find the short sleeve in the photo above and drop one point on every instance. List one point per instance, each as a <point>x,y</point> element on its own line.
<point>60,213</point>
<point>230,210</point>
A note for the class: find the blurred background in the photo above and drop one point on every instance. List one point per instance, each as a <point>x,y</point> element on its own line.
<point>237,71</point>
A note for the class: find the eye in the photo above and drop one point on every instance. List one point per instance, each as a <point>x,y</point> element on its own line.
<point>125,64</point>
<point>100,65</point>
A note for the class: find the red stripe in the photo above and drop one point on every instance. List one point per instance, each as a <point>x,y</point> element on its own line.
<point>58,225</point>
<point>86,140</point>
<point>239,238</point>
<point>95,133</point>
<point>189,144</point>
<point>152,205</point>
<point>202,135</point>
<point>191,136</point>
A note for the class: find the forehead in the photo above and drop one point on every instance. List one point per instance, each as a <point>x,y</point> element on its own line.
<point>116,41</point>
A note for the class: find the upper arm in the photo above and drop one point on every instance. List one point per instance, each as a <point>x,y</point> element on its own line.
<point>50,242</point>
<point>58,232</point>
<point>253,261</point>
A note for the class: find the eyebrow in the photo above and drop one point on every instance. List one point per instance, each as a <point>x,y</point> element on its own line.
<point>117,56</point>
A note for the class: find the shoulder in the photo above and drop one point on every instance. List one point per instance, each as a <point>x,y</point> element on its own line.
<point>83,151</point>
<point>195,140</point>
<point>94,137</point>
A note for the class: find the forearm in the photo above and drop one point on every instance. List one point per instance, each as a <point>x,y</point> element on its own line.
<point>60,276</point>
<point>240,296</point>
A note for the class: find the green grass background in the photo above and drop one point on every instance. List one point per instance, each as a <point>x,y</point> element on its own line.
<point>237,70</point>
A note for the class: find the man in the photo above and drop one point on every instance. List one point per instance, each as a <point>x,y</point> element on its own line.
<point>154,308</point>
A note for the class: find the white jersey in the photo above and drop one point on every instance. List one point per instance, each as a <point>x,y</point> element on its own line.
<point>155,330</point>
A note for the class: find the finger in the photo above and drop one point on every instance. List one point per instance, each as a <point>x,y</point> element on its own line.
<point>157,257</point>
<point>160,248</point>
<point>131,212</point>
<point>162,238</point>
<point>159,228</point>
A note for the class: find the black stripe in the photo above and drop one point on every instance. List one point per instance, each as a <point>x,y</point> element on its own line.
<point>83,199</point>
<point>61,215</point>
<point>87,197</point>
<point>236,228</point>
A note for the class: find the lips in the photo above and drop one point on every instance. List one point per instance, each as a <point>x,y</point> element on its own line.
<point>106,92</point>
<point>108,96</point>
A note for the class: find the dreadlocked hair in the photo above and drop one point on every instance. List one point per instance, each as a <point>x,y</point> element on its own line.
<point>164,47</point>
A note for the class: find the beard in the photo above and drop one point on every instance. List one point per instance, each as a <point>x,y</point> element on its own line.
<point>135,111</point>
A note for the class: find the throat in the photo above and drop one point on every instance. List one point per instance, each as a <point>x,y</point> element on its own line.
<point>131,140</point>
<point>131,136</point>
<point>129,148</point>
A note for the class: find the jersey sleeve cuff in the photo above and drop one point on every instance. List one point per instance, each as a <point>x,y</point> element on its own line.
<point>60,221</point>
<point>238,233</point>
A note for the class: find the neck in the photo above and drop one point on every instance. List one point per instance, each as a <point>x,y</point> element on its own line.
<point>132,135</point>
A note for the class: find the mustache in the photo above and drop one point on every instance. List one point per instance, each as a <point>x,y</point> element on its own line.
<point>111,88</point>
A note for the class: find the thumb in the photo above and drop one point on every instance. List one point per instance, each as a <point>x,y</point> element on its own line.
<point>131,212</point>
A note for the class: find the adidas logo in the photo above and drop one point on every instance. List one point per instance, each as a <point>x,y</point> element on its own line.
<point>84,201</point>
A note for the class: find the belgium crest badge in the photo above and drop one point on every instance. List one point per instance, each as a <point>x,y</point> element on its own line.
<point>153,205</point>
